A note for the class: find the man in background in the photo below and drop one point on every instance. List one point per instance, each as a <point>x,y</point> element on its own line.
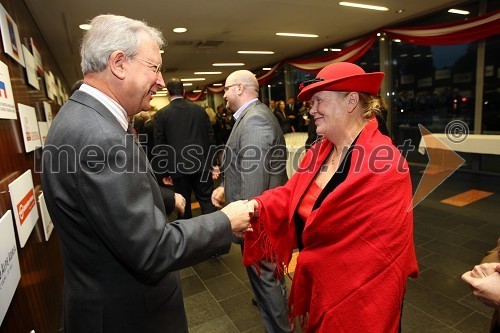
<point>254,160</point>
<point>185,140</point>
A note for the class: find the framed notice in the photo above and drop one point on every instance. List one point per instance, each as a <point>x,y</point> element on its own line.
<point>29,125</point>
<point>48,113</point>
<point>50,84</point>
<point>30,68</point>
<point>22,196</point>
<point>43,129</point>
<point>48,226</point>
<point>37,56</point>
<point>10,271</point>
<point>7,106</point>
<point>10,36</point>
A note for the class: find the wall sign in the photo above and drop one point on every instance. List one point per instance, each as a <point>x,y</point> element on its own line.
<point>7,106</point>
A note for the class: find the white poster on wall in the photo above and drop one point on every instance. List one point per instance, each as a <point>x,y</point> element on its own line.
<point>22,196</point>
<point>37,56</point>
<point>31,68</point>
<point>10,271</point>
<point>10,36</point>
<point>49,85</point>
<point>48,113</point>
<point>7,106</point>
<point>29,124</point>
<point>59,93</point>
<point>43,129</point>
<point>48,226</point>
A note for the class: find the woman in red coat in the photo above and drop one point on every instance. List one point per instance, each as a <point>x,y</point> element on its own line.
<point>348,209</point>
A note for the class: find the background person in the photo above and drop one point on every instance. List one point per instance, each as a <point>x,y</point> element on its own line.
<point>346,211</point>
<point>254,161</point>
<point>119,252</point>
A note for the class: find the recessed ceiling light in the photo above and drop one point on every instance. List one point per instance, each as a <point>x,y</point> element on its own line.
<point>399,11</point>
<point>206,73</point>
<point>266,68</point>
<point>187,84</point>
<point>179,30</point>
<point>85,26</point>
<point>228,64</point>
<point>326,49</point>
<point>161,51</point>
<point>458,11</point>
<point>397,40</point>
<point>360,5</point>
<point>217,84</point>
<point>194,79</point>
<point>256,52</point>
<point>197,90</point>
<point>292,34</point>
<point>336,50</point>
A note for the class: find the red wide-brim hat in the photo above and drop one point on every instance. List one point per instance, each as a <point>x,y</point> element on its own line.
<point>342,76</point>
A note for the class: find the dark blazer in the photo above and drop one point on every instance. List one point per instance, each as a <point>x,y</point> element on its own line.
<point>245,177</point>
<point>184,125</point>
<point>120,253</point>
<point>283,121</point>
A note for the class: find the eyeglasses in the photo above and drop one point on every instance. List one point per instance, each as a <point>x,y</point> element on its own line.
<point>308,82</point>
<point>157,67</point>
<point>226,88</point>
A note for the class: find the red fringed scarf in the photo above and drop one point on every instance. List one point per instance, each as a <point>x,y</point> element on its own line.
<point>358,245</point>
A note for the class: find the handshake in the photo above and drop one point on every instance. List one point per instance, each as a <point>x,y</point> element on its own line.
<point>240,213</point>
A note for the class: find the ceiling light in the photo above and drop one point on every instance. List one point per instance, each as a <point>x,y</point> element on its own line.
<point>458,11</point>
<point>396,40</point>
<point>217,84</point>
<point>194,79</point>
<point>399,11</point>
<point>228,64</point>
<point>360,5</point>
<point>161,51</point>
<point>187,84</point>
<point>256,52</point>
<point>291,34</point>
<point>206,73</point>
<point>85,26</point>
<point>196,91</point>
<point>266,68</point>
<point>180,30</point>
<point>326,49</point>
<point>336,50</point>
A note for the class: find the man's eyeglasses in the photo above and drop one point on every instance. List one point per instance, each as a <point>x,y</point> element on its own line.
<point>157,67</point>
<point>226,88</point>
<point>308,82</point>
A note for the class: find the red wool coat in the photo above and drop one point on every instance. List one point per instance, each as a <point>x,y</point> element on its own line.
<point>358,245</point>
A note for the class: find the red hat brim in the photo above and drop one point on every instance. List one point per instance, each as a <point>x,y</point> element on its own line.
<point>368,83</point>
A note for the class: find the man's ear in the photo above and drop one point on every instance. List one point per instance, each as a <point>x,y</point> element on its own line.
<point>116,64</point>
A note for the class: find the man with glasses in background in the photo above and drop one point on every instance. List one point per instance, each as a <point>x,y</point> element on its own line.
<point>254,160</point>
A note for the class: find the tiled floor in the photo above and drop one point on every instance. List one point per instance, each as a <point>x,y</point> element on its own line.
<point>449,241</point>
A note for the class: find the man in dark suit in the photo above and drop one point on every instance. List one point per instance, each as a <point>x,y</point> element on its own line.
<point>254,160</point>
<point>185,140</point>
<point>120,254</point>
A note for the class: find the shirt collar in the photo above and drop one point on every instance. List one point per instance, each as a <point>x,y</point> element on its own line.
<point>237,114</point>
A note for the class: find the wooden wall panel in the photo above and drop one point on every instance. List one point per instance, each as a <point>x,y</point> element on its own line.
<point>37,303</point>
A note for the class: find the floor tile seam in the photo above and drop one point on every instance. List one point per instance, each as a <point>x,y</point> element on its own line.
<point>429,315</point>
<point>238,294</point>
<point>211,294</point>
<point>441,294</point>
<point>465,318</point>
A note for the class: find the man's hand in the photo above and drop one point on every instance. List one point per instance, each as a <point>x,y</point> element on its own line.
<point>239,213</point>
<point>167,181</point>
<point>180,203</point>
<point>215,172</point>
<point>484,281</point>
<point>218,197</point>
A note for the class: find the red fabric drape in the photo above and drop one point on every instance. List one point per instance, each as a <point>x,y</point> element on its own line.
<point>196,97</point>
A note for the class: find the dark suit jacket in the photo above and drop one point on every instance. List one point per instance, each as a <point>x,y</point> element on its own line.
<point>284,122</point>
<point>183,125</point>
<point>119,252</point>
<point>247,174</point>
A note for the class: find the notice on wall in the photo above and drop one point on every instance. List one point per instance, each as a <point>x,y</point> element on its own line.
<point>7,106</point>
<point>48,226</point>
<point>49,84</point>
<point>10,36</point>
<point>43,129</point>
<point>22,196</point>
<point>48,113</point>
<point>37,56</point>
<point>10,271</point>
<point>29,124</point>
<point>31,68</point>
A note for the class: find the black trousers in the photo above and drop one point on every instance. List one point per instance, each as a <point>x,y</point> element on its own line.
<point>202,186</point>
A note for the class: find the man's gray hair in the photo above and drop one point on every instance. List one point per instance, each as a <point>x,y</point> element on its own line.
<point>109,33</point>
